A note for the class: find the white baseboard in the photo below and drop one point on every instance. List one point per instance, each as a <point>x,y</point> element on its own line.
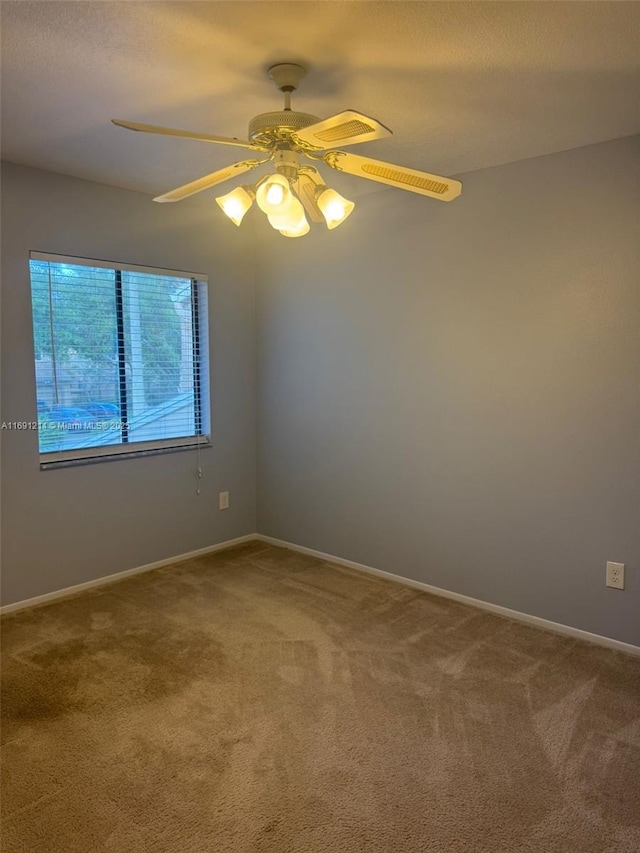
<point>138,570</point>
<point>556,627</point>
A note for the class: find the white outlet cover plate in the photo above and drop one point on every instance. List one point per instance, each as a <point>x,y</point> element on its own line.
<point>615,575</point>
<point>223,500</point>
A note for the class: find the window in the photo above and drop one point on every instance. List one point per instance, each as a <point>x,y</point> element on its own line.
<point>120,358</point>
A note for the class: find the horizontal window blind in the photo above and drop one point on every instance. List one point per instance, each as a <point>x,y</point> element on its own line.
<point>119,356</point>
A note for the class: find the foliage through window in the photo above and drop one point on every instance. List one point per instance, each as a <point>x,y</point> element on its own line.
<point>119,358</point>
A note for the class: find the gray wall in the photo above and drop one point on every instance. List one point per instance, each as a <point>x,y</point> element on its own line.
<point>63,527</point>
<point>447,392</point>
<point>451,392</point>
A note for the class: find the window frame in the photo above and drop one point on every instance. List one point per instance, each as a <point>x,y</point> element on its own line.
<point>202,397</point>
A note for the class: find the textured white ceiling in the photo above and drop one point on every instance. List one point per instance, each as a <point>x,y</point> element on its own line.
<point>462,85</point>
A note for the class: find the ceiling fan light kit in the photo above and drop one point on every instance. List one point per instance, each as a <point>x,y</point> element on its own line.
<point>296,190</point>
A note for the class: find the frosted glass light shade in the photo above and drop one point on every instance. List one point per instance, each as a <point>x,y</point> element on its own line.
<point>273,194</point>
<point>334,207</point>
<point>236,203</point>
<point>299,231</point>
<point>290,218</point>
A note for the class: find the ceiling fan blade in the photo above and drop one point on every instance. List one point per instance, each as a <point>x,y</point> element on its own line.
<point>345,128</point>
<point>424,183</point>
<point>211,180</point>
<point>306,190</point>
<point>186,134</point>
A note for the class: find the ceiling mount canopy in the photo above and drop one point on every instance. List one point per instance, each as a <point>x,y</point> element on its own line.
<point>296,190</point>
<point>287,75</point>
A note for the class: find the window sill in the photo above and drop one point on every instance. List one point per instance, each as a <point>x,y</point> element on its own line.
<point>118,455</point>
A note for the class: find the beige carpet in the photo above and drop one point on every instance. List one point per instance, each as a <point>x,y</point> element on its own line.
<point>260,700</point>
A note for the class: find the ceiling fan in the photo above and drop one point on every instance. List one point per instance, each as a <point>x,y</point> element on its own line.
<point>297,189</point>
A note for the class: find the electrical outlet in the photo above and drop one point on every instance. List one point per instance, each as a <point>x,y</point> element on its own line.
<point>615,575</point>
<point>224,500</point>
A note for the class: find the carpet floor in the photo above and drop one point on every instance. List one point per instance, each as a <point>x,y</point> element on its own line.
<point>261,701</point>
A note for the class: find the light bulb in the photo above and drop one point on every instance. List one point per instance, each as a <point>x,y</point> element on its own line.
<point>236,203</point>
<point>273,193</point>
<point>334,207</point>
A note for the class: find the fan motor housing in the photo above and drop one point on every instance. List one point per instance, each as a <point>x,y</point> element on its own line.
<point>278,126</point>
